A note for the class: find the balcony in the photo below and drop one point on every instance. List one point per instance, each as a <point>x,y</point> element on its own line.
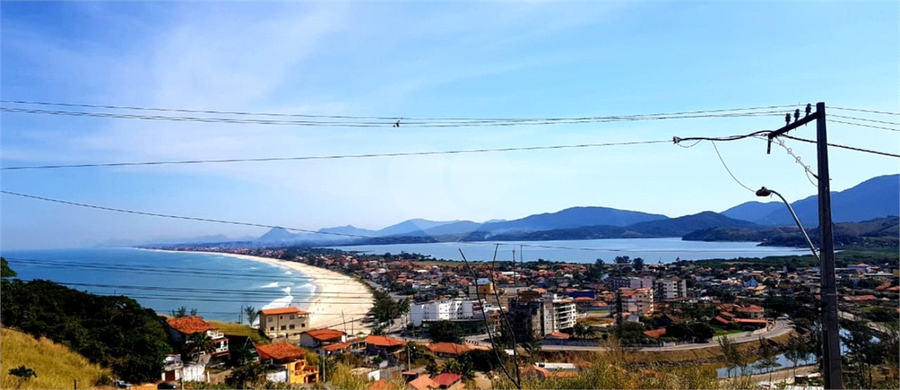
<point>214,334</point>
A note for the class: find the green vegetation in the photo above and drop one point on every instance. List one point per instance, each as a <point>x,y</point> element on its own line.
<point>445,331</point>
<point>115,332</point>
<point>386,310</point>
<point>5,271</point>
<point>55,365</point>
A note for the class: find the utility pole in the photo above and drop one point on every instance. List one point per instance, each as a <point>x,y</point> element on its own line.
<point>830,326</point>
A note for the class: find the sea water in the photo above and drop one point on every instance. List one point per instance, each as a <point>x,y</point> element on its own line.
<point>217,286</point>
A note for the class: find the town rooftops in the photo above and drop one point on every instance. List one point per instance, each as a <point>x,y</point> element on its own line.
<point>283,310</point>
<point>447,379</point>
<point>280,351</point>
<point>384,341</point>
<point>325,334</point>
<point>448,348</point>
<point>189,325</point>
<point>423,382</point>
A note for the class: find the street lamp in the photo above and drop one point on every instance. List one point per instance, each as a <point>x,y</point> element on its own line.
<point>767,192</point>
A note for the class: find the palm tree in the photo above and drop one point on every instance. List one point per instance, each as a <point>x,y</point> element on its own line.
<point>251,313</point>
<point>197,344</point>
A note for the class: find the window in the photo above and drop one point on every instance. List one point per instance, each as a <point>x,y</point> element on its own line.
<point>291,326</point>
<point>271,328</point>
<point>283,327</point>
<point>269,319</point>
<point>291,317</point>
<point>302,325</point>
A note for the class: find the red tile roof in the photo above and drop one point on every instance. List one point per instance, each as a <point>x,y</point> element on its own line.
<point>384,341</point>
<point>283,310</point>
<point>558,335</point>
<point>281,352</point>
<point>722,320</point>
<point>447,379</point>
<point>584,299</point>
<point>189,325</point>
<point>381,384</point>
<point>750,320</point>
<point>423,382</point>
<point>325,334</point>
<point>449,348</point>
<point>656,333</point>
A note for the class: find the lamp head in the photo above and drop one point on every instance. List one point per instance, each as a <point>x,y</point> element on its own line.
<point>763,192</point>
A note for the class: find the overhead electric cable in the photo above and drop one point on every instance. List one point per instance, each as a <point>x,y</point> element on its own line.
<point>864,119</point>
<point>338,156</point>
<point>844,146</point>
<point>863,125</point>
<point>863,110</point>
<point>387,118</point>
<point>371,124</point>
<point>726,167</point>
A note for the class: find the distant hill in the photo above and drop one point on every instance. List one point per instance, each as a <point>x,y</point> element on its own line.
<point>349,230</point>
<point>278,234</point>
<point>55,364</point>
<point>874,198</point>
<point>879,232</point>
<point>572,218</point>
<point>415,225</point>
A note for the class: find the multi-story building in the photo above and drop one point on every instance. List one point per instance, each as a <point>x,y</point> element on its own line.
<point>283,322</point>
<point>670,288</point>
<point>632,282</point>
<point>453,309</point>
<point>535,314</point>
<point>637,301</point>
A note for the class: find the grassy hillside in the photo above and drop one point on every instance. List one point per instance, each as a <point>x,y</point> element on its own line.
<point>56,366</point>
<point>230,328</point>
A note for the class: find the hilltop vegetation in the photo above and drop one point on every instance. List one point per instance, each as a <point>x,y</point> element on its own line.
<point>115,332</point>
<point>56,365</point>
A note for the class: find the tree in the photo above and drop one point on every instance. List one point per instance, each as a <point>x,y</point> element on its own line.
<point>795,350</point>
<point>5,271</point>
<point>767,356</point>
<point>431,368</point>
<point>622,259</point>
<point>23,374</point>
<point>582,331</point>
<point>197,344</point>
<point>637,264</point>
<point>444,331</point>
<point>179,312</point>
<point>247,374</point>
<point>702,332</point>
<point>252,314</point>
<point>733,357</point>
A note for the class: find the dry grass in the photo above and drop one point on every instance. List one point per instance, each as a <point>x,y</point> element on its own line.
<point>55,365</point>
<point>240,330</point>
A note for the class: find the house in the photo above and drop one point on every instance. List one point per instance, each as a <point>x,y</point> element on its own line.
<point>357,345</point>
<point>182,329</point>
<point>384,346</point>
<point>656,333</point>
<point>283,322</point>
<point>423,382</point>
<point>545,370</point>
<point>293,367</point>
<point>174,369</point>
<point>381,384</point>
<point>448,350</point>
<point>449,380</point>
<point>318,338</point>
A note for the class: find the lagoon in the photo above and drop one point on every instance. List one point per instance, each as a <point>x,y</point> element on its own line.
<point>652,250</point>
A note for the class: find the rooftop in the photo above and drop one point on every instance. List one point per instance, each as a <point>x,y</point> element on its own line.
<point>325,334</point>
<point>283,310</point>
<point>280,351</point>
<point>189,325</point>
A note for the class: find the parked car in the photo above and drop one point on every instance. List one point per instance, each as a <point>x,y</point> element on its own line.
<point>167,385</point>
<point>123,385</point>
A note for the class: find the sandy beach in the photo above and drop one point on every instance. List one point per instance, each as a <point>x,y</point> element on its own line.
<point>338,297</point>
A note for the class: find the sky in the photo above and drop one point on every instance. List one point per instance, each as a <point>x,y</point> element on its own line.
<point>414,60</point>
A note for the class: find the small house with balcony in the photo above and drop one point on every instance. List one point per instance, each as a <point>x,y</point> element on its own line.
<point>291,361</point>
<point>181,330</point>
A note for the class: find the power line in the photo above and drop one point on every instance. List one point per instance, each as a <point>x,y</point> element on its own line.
<point>338,156</point>
<point>864,119</point>
<point>726,167</point>
<point>389,118</point>
<point>372,124</point>
<point>844,146</point>
<point>863,125</point>
<point>809,173</point>
<point>678,140</point>
<point>864,110</point>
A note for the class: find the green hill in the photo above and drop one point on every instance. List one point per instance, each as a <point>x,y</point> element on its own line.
<point>56,366</point>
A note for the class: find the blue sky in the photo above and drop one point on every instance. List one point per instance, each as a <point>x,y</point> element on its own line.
<point>423,59</point>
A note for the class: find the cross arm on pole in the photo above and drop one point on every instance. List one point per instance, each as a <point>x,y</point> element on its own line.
<point>787,128</point>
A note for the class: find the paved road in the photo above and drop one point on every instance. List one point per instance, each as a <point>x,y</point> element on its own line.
<point>872,325</point>
<point>781,328</point>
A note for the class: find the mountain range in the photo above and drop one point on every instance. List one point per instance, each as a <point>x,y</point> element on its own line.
<point>874,198</point>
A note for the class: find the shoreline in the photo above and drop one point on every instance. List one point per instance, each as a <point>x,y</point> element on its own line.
<point>326,309</point>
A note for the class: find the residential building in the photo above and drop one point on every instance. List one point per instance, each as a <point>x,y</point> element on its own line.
<point>669,289</point>
<point>631,282</point>
<point>317,338</point>
<point>283,322</point>
<point>448,350</point>
<point>449,380</point>
<point>181,329</point>
<point>453,309</point>
<point>637,301</point>
<point>291,361</point>
<point>536,313</point>
<point>385,346</point>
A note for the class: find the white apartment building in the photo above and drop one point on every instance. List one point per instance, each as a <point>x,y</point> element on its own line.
<point>565,315</point>
<point>454,309</point>
<point>629,282</point>
<point>637,301</point>
<point>670,289</point>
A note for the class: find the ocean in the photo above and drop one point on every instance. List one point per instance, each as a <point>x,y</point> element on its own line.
<point>217,286</point>
<point>652,250</point>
